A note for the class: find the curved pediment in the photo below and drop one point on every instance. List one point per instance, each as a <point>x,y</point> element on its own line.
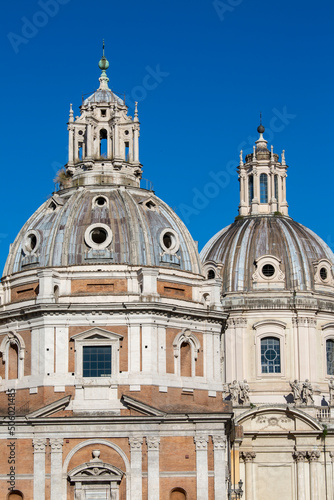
<point>95,470</point>
<point>277,419</point>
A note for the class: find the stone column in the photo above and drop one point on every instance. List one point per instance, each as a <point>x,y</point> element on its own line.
<point>56,467</point>
<point>299,456</point>
<point>116,137</point>
<point>136,144</point>
<point>202,476</point>
<point>219,446</point>
<point>39,445</point>
<point>153,470</point>
<point>70,144</point>
<point>89,140</point>
<point>256,188</point>
<point>248,457</point>
<point>313,457</point>
<point>136,467</point>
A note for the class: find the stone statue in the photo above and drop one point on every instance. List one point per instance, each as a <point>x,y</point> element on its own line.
<point>296,391</point>
<point>331,391</point>
<point>307,392</point>
<point>234,389</point>
<point>244,392</point>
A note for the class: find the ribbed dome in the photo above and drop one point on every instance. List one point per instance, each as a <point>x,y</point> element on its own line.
<point>68,230</point>
<point>242,243</point>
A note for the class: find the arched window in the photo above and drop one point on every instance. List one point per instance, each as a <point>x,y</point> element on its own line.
<point>276,186</point>
<point>13,361</point>
<point>185,359</point>
<point>263,188</point>
<point>186,347</point>
<point>250,189</point>
<point>103,143</point>
<point>12,349</point>
<point>330,356</point>
<point>15,495</point>
<point>178,494</point>
<point>270,355</point>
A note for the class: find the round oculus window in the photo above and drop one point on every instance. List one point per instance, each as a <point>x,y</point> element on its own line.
<point>323,273</point>
<point>169,241</point>
<point>100,201</point>
<point>31,242</point>
<point>268,270</point>
<point>98,236</point>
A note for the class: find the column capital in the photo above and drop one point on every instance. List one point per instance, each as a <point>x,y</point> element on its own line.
<point>313,455</point>
<point>39,445</point>
<point>219,442</point>
<point>201,442</point>
<point>135,443</point>
<point>247,456</point>
<point>56,444</point>
<point>153,442</point>
<point>299,456</point>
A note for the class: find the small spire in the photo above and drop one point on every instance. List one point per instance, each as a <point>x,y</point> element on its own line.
<point>103,65</point>
<point>71,114</point>
<point>283,157</point>
<point>254,153</point>
<point>272,151</point>
<point>136,112</point>
<point>241,160</point>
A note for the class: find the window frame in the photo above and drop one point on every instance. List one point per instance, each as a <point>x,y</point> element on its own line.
<point>329,339</point>
<point>269,329</point>
<point>96,337</point>
<point>328,334</point>
<point>277,340</point>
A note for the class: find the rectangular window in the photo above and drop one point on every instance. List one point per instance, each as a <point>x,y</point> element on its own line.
<point>96,361</point>
<point>270,355</point>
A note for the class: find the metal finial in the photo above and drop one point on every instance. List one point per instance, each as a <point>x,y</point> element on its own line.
<point>260,128</point>
<point>103,47</point>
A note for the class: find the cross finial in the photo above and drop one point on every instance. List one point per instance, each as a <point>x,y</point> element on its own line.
<point>103,47</point>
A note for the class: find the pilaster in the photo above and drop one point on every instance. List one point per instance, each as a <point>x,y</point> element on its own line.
<point>202,476</point>
<point>219,451</point>
<point>136,467</point>
<point>39,445</point>
<point>299,457</point>
<point>248,457</point>
<point>153,443</point>
<point>56,445</point>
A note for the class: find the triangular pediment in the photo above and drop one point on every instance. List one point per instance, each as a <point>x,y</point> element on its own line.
<point>50,409</point>
<point>96,334</point>
<point>143,408</point>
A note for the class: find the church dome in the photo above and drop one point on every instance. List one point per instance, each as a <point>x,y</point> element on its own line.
<point>264,251</point>
<point>112,225</point>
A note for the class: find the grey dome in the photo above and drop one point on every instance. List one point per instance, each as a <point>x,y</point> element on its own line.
<point>59,229</point>
<point>239,245</point>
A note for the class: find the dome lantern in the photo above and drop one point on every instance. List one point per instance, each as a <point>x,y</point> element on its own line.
<point>103,145</point>
<point>262,180</point>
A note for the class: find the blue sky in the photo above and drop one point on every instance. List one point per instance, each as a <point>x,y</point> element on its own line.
<point>217,64</point>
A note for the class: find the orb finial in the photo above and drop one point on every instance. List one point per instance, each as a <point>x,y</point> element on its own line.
<point>260,128</point>
<point>103,62</point>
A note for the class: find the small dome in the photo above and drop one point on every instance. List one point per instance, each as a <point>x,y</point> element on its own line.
<point>238,246</point>
<point>103,95</point>
<point>114,226</point>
